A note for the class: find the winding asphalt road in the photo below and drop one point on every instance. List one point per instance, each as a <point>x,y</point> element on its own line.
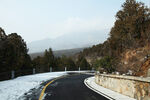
<point>71,87</point>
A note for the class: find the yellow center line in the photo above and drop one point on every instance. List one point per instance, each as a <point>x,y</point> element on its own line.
<point>43,91</point>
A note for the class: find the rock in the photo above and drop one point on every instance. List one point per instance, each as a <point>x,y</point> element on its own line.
<point>130,72</point>
<point>148,73</point>
<point>146,98</point>
<point>97,72</point>
<point>117,73</point>
<point>125,62</point>
<point>124,74</point>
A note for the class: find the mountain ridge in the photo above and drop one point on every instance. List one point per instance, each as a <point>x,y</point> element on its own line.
<point>68,41</point>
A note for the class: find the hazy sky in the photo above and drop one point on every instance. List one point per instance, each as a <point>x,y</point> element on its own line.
<point>39,19</point>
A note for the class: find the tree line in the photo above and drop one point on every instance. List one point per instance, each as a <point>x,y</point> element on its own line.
<point>131,30</point>
<point>43,64</point>
<point>14,56</point>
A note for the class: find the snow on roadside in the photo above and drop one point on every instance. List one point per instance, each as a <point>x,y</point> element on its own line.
<point>13,89</point>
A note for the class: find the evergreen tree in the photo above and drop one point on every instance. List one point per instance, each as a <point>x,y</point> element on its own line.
<point>82,63</point>
<point>13,52</point>
<point>106,63</point>
<point>130,26</point>
<point>48,59</point>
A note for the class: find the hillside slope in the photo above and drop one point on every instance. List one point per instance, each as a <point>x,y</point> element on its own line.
<point>128,45</point>
<point>136,60</point>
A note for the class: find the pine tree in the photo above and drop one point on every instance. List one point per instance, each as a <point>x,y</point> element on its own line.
<point>48,59</point>
<point>13,52</point>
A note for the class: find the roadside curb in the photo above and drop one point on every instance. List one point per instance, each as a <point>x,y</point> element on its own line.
<point>90,83</point>
<point>95,90</point>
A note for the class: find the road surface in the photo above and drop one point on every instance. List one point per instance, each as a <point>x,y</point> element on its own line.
<point>70,87</point>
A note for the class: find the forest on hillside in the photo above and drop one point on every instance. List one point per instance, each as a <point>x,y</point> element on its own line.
<point>131,31</point>
<point>14,57</point>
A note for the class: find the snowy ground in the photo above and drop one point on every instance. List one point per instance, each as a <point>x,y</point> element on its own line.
<point>13,89</point>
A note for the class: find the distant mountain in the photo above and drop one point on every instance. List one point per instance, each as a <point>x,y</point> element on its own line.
<point>69,41</point>
<point>58,53</point>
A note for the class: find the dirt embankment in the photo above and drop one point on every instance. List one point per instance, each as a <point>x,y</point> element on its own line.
<point>133,60</point>
<point>136,60</point>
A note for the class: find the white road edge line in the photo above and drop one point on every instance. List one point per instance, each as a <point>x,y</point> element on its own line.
<point>97,90</point>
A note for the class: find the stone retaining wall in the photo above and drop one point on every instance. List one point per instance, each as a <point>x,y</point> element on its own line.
<point>135,87</point>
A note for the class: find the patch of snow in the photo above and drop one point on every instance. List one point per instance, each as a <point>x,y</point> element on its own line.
<point>13,89</point>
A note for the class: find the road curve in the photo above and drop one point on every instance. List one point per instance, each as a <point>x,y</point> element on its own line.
<point>71,87</point>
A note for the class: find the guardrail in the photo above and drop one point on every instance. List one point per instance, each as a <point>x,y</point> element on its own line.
<point>16,73</point>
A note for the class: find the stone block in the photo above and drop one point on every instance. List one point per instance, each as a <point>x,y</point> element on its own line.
<point>148,72</point>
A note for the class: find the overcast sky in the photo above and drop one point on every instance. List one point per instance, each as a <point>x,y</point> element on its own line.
<point>40,19</point>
